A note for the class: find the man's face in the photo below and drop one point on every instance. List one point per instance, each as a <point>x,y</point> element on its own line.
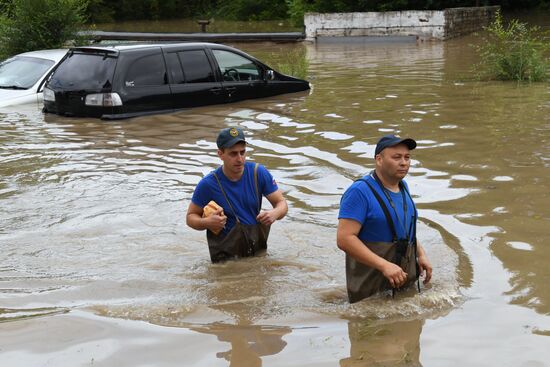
<point>394,162</point>
<point>233,158</point>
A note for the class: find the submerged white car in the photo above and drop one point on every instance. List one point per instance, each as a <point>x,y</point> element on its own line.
<point>22,76</point>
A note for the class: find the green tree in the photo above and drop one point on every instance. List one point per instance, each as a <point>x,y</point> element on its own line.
<point>99,12</point>
<point>251,9</point>
<point>40,24</point>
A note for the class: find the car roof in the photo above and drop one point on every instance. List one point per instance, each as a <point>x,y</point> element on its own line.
<point>54,54</point>
<point>122,47</point>
<point>117,48</point>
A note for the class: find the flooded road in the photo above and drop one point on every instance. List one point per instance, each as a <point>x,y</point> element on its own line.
<point>93,233</point>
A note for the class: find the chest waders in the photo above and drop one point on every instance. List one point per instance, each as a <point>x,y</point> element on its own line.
<point>243,240</point>
<point>363,281</point>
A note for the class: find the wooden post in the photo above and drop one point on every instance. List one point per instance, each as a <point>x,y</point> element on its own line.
<point>203,24</point>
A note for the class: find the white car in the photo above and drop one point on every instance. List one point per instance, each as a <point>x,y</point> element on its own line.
<point>22,76</point>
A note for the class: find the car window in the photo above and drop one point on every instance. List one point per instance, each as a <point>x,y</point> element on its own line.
<point>23,71</point>
<point>146,71</point>
<point>84,71</point>
<point>196,67</point>
<point>236,67</point>
<point>174,66</point>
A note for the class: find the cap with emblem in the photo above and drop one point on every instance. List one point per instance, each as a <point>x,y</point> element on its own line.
<point>392,140</point>
<point>229,137</point>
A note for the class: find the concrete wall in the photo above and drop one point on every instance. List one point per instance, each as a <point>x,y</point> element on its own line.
<point>461,21</point>
<point>425,24</point>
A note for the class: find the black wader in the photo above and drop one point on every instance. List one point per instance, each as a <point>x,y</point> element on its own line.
<point>363,281</point>
<point>244,239</point>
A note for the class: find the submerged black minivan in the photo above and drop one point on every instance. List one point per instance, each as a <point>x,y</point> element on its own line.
<point>114,82</point>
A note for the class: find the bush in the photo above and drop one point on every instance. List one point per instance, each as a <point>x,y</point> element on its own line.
<point>293,62</point>
<point>41,24</point>
<point>513,52</point>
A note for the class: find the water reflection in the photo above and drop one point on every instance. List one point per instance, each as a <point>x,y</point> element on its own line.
<point>383,344</point>
<point>237,286</point>
<point>248,343</point>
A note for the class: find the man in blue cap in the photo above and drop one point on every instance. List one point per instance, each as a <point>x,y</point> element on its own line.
<point>238,227</point>
<point>377,226</point>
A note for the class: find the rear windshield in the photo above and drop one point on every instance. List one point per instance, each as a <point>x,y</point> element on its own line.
<point>84,71</point>
<point>22,72</point>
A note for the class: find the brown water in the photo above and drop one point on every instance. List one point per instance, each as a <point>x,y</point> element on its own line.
<point>93,233</point>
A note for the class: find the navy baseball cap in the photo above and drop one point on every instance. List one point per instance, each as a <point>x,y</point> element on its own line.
<point>229,137</point>
<point>392,140</point>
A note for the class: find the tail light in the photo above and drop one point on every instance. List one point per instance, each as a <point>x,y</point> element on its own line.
<point>103,100</point>
<point>48,95</point>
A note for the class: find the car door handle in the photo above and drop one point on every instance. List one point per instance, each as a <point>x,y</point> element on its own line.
<point>215,90</point>
<point>231,89</point>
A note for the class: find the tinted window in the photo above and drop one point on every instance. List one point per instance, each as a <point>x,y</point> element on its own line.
<point>196,66</point>
<point>174,66</point>
<point>236,67</point>
<point>22,71</point>
<point>146,71</point>
<point>84,71</point>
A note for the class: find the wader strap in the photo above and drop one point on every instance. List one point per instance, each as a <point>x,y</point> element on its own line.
<point>398,254</point>
<point>226,198</point>
<point>413,224</point>
<point>243,240</point>
<point>384,209</point>
<point>256,186</point>
<point>412,201</point>
<point>401,189</point>
<point>416,254</point>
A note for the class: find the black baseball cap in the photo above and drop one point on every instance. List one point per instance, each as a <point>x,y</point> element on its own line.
<point>392,140</point>
<point>229,137</point>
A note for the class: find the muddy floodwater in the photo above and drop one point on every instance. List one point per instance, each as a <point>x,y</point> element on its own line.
<point>97,266</point>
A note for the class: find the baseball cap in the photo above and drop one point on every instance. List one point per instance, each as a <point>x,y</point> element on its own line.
<point>392,140</point>
<point>229,137</point>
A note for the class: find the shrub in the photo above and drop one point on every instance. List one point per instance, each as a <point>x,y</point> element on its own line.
<point>41,24</point>
<point>293,62</point>
<point>513,52</point>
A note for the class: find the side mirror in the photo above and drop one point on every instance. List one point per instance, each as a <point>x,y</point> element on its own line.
<point>270,75</point>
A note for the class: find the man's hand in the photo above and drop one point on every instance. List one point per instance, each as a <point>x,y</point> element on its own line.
<point>216,222</point>
<point>395,275</point>
<point>267,217</point>
<point>425,268</point>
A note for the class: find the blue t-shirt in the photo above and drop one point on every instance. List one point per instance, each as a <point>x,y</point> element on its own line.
<point>360,204</point>
<point>241,193</point>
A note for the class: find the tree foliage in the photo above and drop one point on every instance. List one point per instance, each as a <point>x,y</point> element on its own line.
<point>251,9</point>
<point>40,24</point>
<point>102,11</point>
<point>117,10</point>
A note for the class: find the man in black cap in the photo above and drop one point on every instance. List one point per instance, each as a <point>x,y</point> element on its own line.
<point>238,228</point>
<point>377,225</point>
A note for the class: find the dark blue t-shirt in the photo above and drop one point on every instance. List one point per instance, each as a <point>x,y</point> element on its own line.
<point>241,193</point>
<point>360,204</point>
